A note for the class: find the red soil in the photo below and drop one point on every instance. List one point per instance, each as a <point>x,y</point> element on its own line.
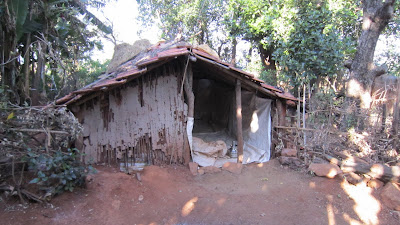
<point>263,194</point>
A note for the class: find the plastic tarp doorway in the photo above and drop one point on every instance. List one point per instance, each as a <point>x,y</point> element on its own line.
<point>256,120</point>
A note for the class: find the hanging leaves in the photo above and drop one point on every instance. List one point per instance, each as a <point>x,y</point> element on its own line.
<point>19,10</point>
<point>10,116</point>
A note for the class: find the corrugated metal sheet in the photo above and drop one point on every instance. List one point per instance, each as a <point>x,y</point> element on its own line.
<point>287,96</point>
<point>270,87</point>
<point>130,73</point>
<point>205,54</point>
<point>242,72</point>
<point>147,61</point>
<point>173,53</point>
<point>159,53</point>
<point>108,83</point>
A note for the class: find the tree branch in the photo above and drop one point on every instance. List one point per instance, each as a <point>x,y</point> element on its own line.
<point>377,71</point>
<point>348,63</point>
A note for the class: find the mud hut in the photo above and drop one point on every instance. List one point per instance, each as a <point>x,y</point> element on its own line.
<point>165,103</point>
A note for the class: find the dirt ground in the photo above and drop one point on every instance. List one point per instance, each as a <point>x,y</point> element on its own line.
<point>263,194</point>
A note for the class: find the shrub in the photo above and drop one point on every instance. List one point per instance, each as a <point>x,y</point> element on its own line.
<point>57,172</point>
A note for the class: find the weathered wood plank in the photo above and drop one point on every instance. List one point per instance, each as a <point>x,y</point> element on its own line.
<point>239,133</point>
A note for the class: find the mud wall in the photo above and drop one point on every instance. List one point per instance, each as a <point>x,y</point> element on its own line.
<point>141,121</point>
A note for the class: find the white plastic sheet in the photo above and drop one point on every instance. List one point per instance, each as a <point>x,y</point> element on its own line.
<point>257,137</point>
<point>189,130</point>
<point>256,122</point>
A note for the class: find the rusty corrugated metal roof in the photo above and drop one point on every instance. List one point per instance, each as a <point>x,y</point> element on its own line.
<point>130,73</point>
<point>287,95</point>
<point>159,53</point>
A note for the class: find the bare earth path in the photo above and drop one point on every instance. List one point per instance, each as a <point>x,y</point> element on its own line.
<point>262,194</point>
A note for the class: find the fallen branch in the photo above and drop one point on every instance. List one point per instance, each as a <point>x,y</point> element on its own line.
<point>24,192</point>
<point>349,157</point>
<point>359,166</point>
<point>378,171</point>
<point>31,196</point>
<point>39,130</point>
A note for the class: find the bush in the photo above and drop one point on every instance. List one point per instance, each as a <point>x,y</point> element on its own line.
<point>57,172</point>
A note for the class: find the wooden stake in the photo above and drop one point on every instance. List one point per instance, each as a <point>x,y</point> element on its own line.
<point>298,109</point>
<point>304,114</point>
<point>296,140</point>
<point>239,133</point>
<point>395,124</point>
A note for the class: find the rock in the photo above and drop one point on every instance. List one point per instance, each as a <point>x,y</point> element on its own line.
<point>289,152</point>
<point>193,168</point>
<point>211,169</point>
<point>292,162</point>
<point>375,183</point>
<point>396,214</point>
<point>140,198</point>
<point>138,177</point>
<point>89,178</point>
<point>325,170</point>
<point>232,167</point>
<point>200,171</point>
<point>319,160</point>
<point>391,196</point>
<point>353,178</point>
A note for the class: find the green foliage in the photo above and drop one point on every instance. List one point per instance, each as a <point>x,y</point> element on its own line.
<point>268,76</point>
<point>390,56</point>
<point>307,38</point>
<point>313,48</point>
<point>61,171</point>
<point>19,8</point>
<point>206,18</point>
<point>90,70</point>
<point>393,27</point>
<point>190,17</point>
<point>53,37</point>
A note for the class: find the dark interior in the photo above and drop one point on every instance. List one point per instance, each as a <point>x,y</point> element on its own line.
<point>214,98</point>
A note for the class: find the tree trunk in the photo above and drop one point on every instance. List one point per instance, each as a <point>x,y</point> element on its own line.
<point>27,63</point>
<point>234,44</point>
<point>9,56</point>
<point>376,16</point>
<point>39,73</point>
<point>268,63</point>
<point>26,66</point>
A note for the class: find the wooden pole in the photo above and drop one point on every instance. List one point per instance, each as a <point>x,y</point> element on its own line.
<point>304,114</point>
<point>188,87</point>
<point>239,133</point>
<point>395,124</point>
<point>297,137</point>
<point>281,107</point>
<point>281,112</point>
<point>298,109</point>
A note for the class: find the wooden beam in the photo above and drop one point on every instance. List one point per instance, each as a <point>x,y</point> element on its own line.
<point>246,82</point>
<point>281,106</point>
<point>239,132</point>
<point>188,86</point>
<point>39,130</point>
